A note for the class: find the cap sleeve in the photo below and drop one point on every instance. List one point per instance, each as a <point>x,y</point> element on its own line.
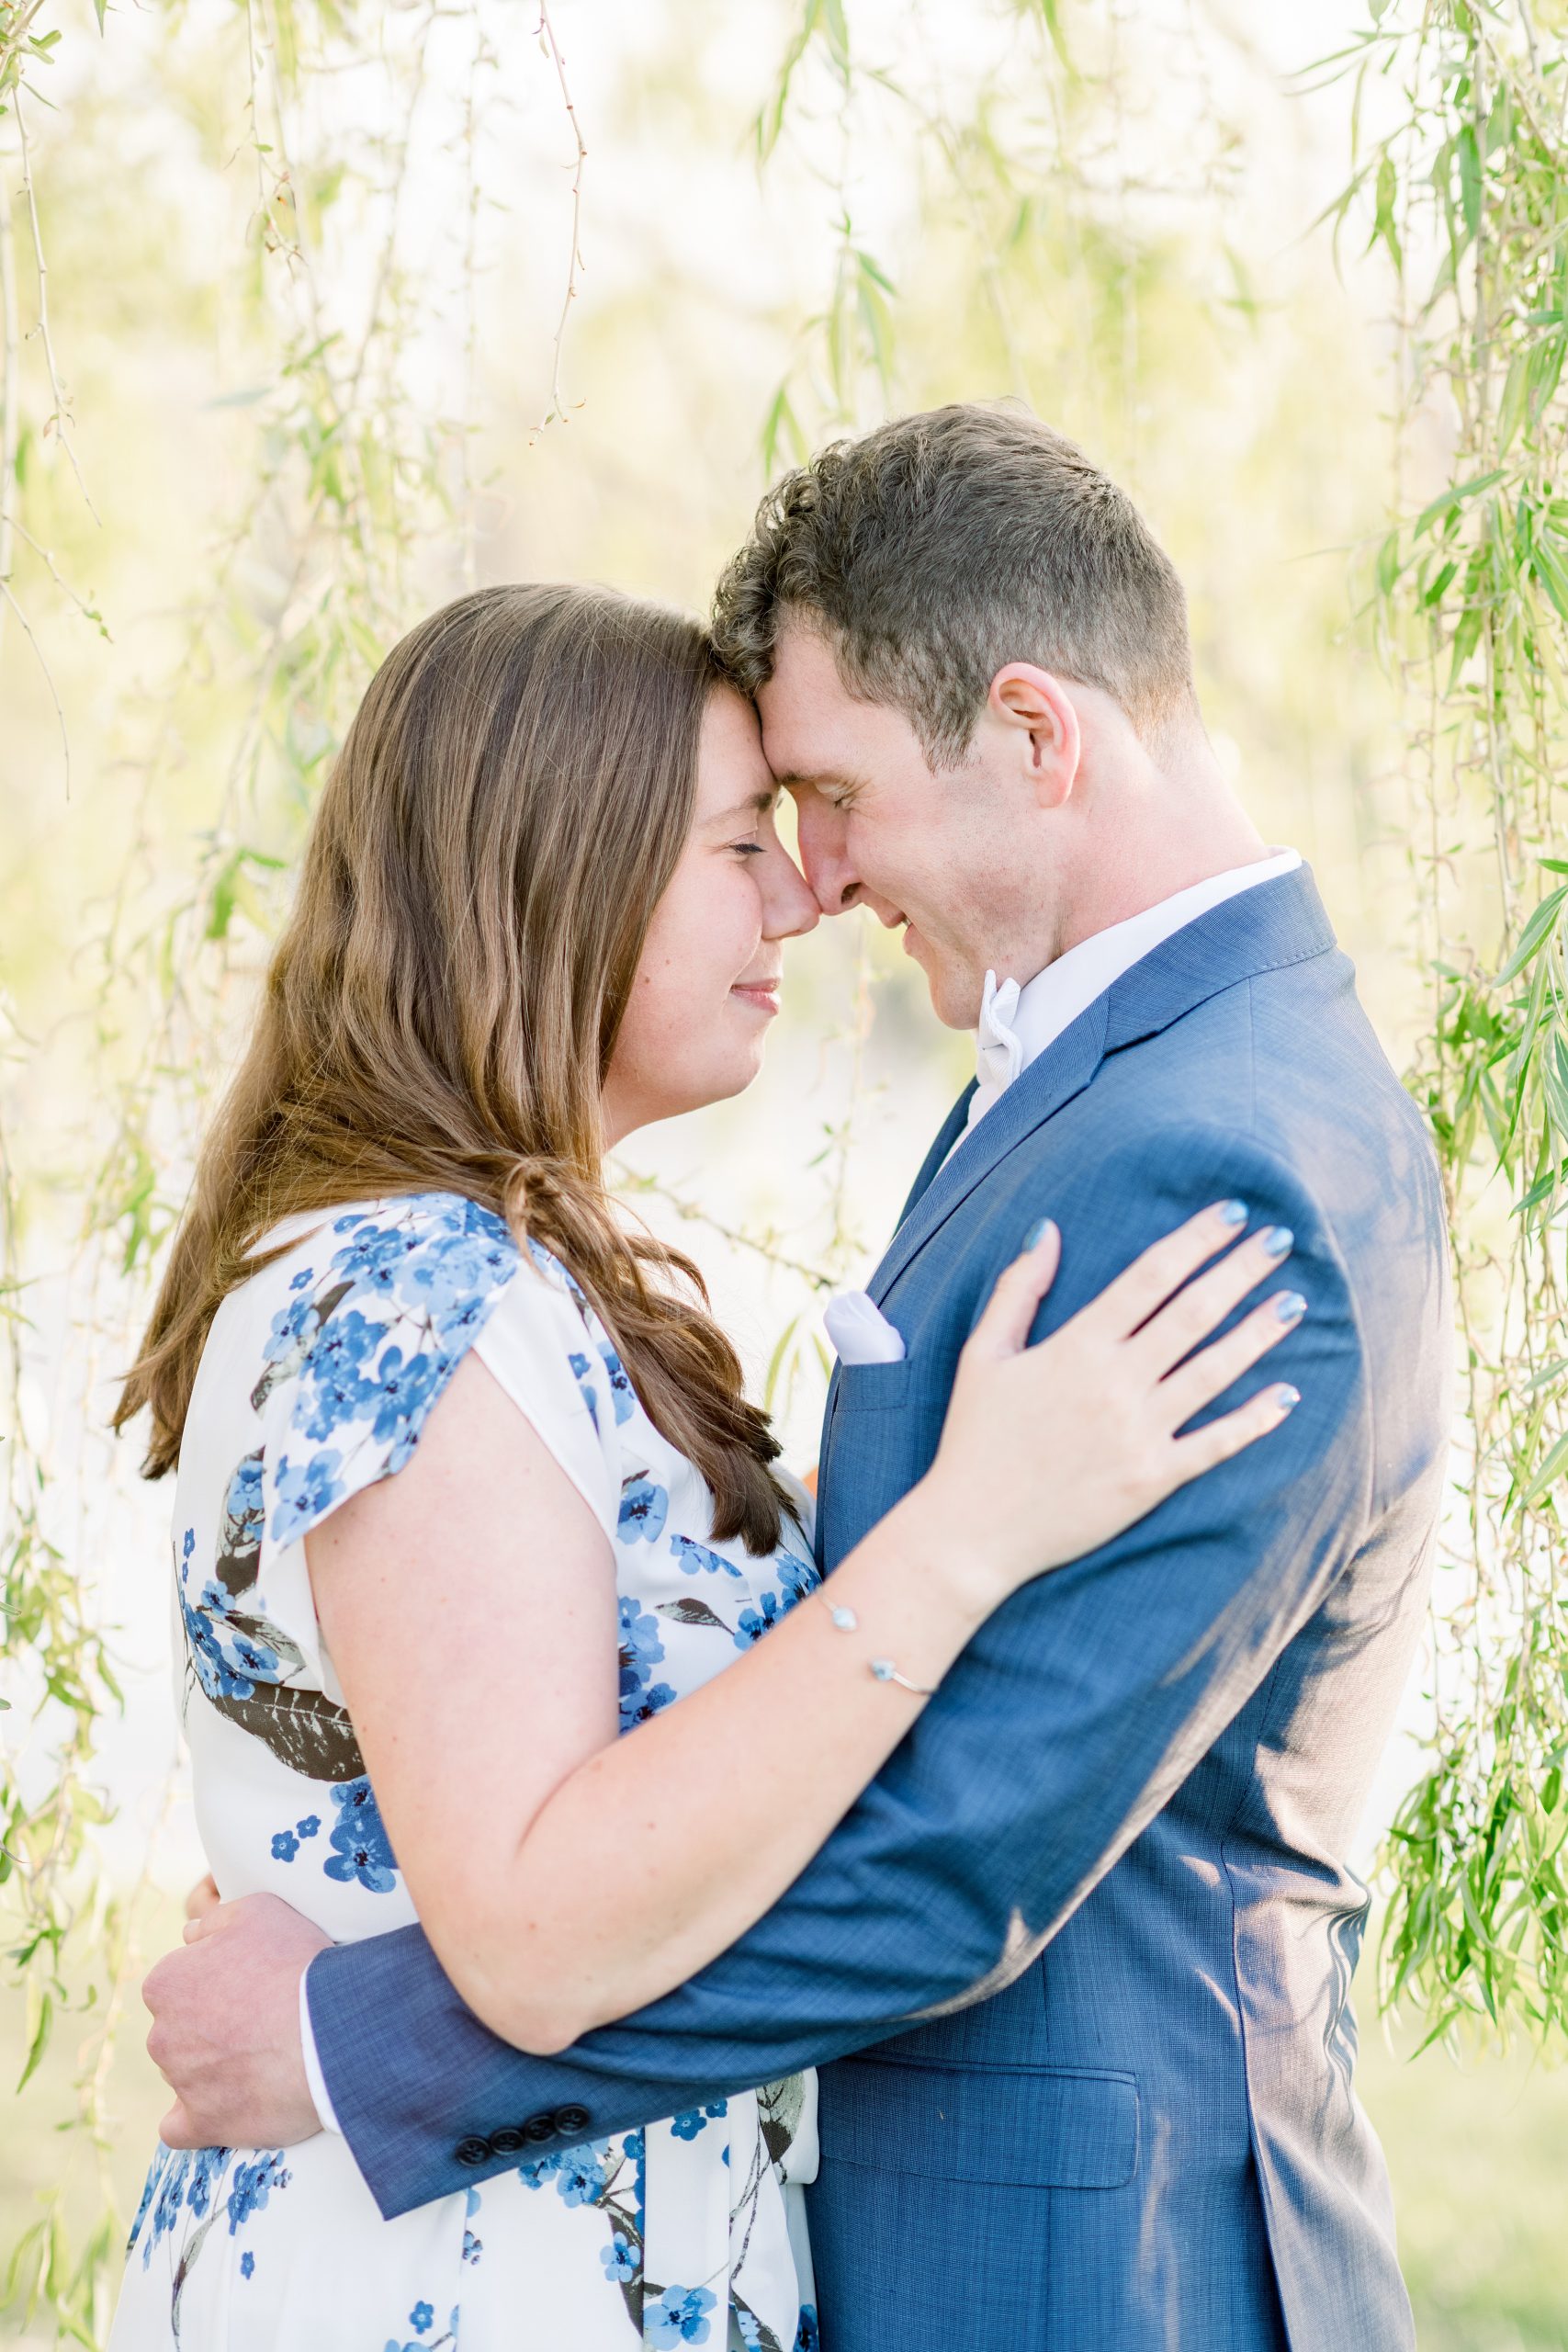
<point>357,1362</point>
<point>550,1353</point>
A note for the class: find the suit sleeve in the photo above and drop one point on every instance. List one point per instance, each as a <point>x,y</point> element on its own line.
<point>1104,1684</point>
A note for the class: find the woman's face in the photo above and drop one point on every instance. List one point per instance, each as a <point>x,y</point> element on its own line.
<point>707,985</point>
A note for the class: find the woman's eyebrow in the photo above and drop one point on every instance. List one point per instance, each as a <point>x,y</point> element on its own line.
<point>758,805</point>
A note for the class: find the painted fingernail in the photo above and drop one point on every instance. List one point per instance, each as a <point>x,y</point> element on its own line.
<point>1277,1240</point>
<point>1287,1399</point>
<point>1037,1233</point>
<point>1289,1306</point>
<point>1231,1212</point>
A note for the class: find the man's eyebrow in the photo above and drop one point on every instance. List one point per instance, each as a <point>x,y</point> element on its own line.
<point>788,776</point>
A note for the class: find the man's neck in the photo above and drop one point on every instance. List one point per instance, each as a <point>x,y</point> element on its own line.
<point>1133,880</point>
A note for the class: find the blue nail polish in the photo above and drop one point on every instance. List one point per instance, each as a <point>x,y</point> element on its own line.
<point>1278,1239</point>
<point>1289,1306</point>
<point>1036,1233</point>
<point>1287,1399</point>
<point>1231,1212</point>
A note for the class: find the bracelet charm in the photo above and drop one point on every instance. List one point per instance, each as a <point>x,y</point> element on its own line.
<point>881,1669</point>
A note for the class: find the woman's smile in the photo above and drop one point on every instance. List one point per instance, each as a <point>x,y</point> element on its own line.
<point>762,995</point>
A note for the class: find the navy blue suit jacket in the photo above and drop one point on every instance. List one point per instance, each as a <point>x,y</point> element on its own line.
<point>1077,1965</point>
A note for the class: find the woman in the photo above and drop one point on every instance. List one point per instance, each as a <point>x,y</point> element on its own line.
<point>467,1484</point>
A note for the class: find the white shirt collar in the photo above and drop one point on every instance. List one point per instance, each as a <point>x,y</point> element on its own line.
<point>1016,1022</point>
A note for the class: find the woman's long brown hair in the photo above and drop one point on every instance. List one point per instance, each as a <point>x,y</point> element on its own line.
<point>440,1011</point>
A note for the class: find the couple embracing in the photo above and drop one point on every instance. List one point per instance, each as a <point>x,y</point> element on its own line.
<point>646,1919</point>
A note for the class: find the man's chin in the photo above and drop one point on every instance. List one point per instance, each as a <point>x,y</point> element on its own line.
<point>955,999</point>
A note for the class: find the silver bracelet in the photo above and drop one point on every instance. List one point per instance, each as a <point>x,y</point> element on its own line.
<point>882,1669</point>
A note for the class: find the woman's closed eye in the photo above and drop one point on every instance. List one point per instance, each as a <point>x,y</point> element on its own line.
<point>748,848</point>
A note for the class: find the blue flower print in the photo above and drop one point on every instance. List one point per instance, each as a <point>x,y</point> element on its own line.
<point>303,1279</point>
<point>797,1576</point>
<point>473,2246</point>
<point>620,1387</point>
<point>402,1395</point>
<point>333,1388</point>
<point>639,1633</point>
<point>547,1263</point>
<point>308,1826</point>
<point>694,2120</point>
<point>679,2316</point>
<point>243,1506</point>
<point>582,1369</point>
<point>228,1650</point>
<point>452,1276</point>
<point>421,2317</point>
<point>754,1623</point>
<point>698,1560</point>
<point>288,1329</point>
<point>247,2263</point>
<point>581,2175</point>
<point>641,1651</point>
<point>252,2184</point>
<point>285,1846</point>
<point>619,2259</point>
<point>644,1509</point>
<point>147,2188</point>
<point>361,1848</point>
<point>203,2177</point>
<point>306,1495</point>
<point>649,1701</point>
<point>535,2170</point>
<point>808,2335</point>
<point>375,1257</point>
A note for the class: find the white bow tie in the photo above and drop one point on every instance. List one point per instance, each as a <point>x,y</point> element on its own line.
<point>998,1054</point>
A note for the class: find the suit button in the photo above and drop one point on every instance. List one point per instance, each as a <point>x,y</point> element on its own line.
<point>573,2120</point>
<point>473,2152</point>
<point>539,2128</point>
<point>508,2140</point>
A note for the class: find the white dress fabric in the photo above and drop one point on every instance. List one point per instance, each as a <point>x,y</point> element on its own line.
<point>317,1378</point>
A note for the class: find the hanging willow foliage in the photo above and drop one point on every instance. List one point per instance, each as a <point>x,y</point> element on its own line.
<point>1468,197</point>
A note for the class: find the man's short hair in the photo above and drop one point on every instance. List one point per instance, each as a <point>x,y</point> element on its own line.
<point>938,547</point>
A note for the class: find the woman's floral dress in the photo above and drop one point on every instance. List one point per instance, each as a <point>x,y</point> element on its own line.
<point>318,1377</point>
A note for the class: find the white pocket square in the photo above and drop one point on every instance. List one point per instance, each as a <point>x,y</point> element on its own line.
<point>860,1333</point>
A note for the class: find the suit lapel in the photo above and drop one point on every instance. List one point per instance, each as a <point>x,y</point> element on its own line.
<point>1064,1069</point>
<point>953,1127</point>
<point>1273,924</point>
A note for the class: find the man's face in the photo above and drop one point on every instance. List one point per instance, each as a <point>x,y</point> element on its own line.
<point>947,856</point>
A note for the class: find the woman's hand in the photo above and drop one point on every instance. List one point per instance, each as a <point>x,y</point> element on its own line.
<point>1047,1452</point>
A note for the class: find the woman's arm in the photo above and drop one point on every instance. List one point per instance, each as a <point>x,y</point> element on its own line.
<point>566,1876</point>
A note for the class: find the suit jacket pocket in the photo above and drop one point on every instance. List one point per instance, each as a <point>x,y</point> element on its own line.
<point>870,1387</point>
<point>1041,2127</point>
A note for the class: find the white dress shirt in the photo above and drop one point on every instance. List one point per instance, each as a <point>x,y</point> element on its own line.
<point>1018,1022</point>
<point>325,2110</point>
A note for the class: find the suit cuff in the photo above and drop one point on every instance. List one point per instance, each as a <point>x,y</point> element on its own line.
<point>313,2074</point>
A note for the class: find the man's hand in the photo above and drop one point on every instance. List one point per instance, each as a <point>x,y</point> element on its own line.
<point>225,2030</point>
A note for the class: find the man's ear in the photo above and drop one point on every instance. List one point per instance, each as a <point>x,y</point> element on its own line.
<point>1037,707</point>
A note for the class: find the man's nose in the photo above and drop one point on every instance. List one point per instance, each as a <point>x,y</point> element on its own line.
<point>833,880</point>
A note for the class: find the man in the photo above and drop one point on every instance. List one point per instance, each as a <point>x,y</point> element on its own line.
<point>1077,1966</point>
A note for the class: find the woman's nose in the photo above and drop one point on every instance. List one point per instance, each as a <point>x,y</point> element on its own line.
<point>789,910</point>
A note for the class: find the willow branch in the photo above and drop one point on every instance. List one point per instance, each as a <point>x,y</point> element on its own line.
<point>59,418</point>
<point>556,409</point>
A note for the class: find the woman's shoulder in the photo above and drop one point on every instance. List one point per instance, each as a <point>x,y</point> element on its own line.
<point>440,1256</point>
<point>373,1307</point>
